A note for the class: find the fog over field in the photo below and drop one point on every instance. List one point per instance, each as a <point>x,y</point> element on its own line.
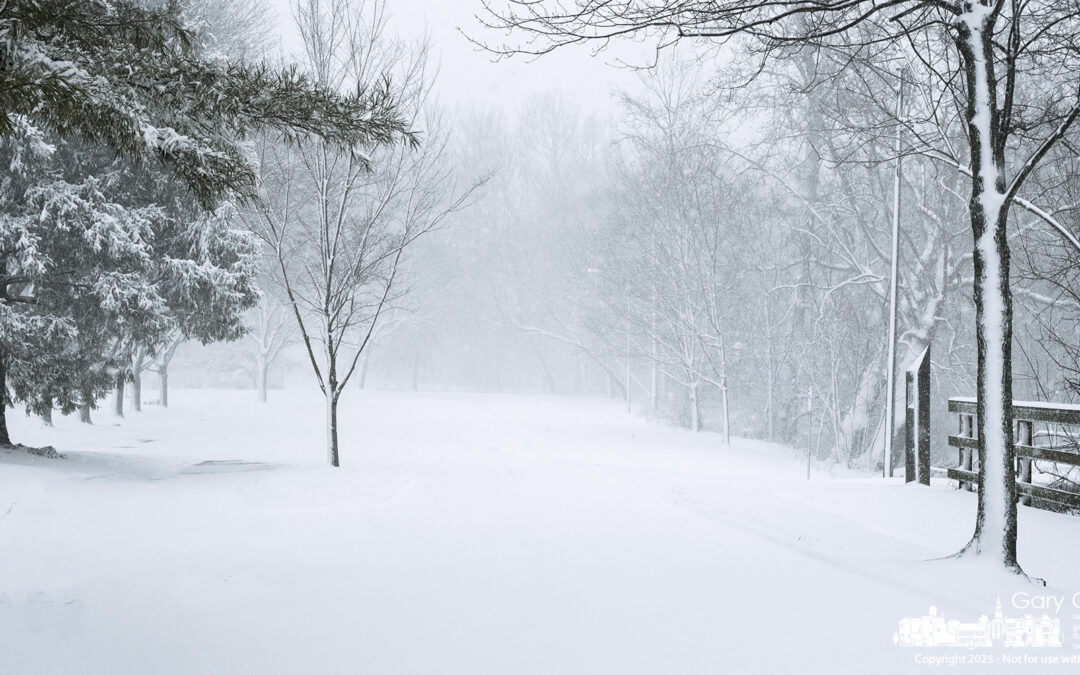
<point>526,336</point>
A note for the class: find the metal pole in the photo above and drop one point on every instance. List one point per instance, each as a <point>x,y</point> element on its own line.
<point>887,469</point>
<point>809,428</point>
<point>628,408</point>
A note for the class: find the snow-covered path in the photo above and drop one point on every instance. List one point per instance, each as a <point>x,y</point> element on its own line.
<point>465,534</point>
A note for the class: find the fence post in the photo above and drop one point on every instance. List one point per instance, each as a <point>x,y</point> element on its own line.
<point>1024,436</point>
<point>917,420</point>
<point>967,430</point>
<point>923,441</point>
<point>909,427</point>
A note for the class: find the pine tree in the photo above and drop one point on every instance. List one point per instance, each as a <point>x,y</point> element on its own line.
<point>87,271</point>
<point>129,77</point>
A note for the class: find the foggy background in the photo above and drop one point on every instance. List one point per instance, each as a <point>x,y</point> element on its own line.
<point>721,250</point>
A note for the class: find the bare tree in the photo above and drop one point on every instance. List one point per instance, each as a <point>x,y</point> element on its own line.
<point>987,54</point>
<point>162,357</point>
<point>339,223</point>
<point>272,330</point>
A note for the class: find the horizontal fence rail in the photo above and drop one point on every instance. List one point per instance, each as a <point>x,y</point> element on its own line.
<point>1060,447</point>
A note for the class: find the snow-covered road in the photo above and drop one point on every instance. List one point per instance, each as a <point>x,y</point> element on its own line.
<point>468,534</point>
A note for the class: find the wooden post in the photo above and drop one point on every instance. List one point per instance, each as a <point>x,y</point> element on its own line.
<point>1026,415</point>
<point>967,430</point>
<point>909,427</point>
<point>922,454</point>
<point>1024,436</point>
<point>917,420</point>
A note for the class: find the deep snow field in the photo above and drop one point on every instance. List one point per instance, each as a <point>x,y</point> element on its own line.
<point>474,534</point>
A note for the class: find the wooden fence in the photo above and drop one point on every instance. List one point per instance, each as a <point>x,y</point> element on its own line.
<point>1057,445</point>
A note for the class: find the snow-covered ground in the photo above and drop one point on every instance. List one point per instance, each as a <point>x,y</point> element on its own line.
<point>475,534</point>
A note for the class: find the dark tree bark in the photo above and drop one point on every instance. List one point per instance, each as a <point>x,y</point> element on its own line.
<point>995,520</point>
<point>5,438</point>
<point>85,406</point>
<point>46,414</point>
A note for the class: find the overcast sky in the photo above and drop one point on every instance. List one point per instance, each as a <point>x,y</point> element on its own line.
<point>469,75</point>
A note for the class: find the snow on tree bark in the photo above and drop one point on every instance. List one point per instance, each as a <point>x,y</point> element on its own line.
<point>995,524</point>
<point>1026,34</point>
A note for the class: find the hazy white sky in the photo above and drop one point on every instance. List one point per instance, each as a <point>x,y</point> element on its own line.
<point>469,75</point>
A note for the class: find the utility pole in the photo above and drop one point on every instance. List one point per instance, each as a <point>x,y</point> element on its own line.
<point>809,428</point>
<point>887,469</point>
<point>629,409</point>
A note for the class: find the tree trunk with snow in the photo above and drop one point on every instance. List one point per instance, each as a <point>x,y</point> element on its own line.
<point>46,412</point>
<point>995,523</point>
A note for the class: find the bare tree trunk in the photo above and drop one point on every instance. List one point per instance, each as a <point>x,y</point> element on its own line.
<point>695,409</point>
<point>261,366</point>
<point>163,383</point>
<point>136,389</point>
<point>331,428</point>
<point>5,438</point>
<point>995,521</point>
<point>361,377</point>
<point>84,407</point>
<point>46,413</point>
<point>160,365</point>
<point>654,388</point>
<point>331,391</point>
<point>770,401</point>
<point>654,345</point>
<point>770,373</point>
<point>727,417</point>
<point>118,400</point>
